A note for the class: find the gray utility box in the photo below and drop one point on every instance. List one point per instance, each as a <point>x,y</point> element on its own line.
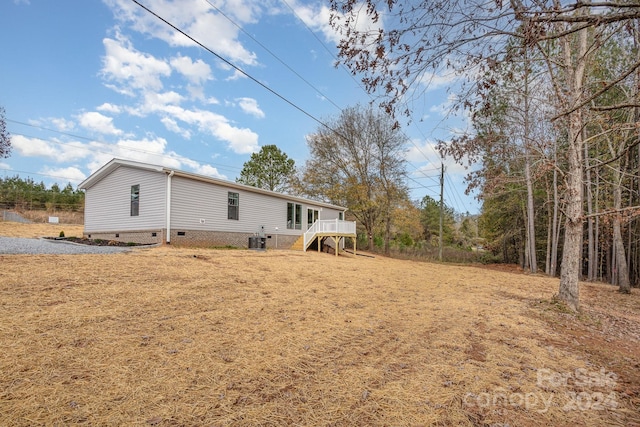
<point>258,243</point>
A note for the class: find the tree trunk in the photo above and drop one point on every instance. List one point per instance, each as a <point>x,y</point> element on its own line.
<point>387,232</point>
<point>591,269</point>
<point>553,266</point>
<point>596,237</point>
<point>622,271</point>
<point>547,264</point>
<point>531,227</point>
<point>569,291</point>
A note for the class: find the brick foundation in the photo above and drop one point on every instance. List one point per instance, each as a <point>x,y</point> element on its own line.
<point>197,238</point>
<point>202,238</point>
<point>142,236</point>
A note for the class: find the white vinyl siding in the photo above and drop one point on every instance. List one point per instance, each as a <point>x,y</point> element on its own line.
<point>108,202</point>
<point>198,205</point>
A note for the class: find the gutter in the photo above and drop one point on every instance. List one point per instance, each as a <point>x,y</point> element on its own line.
<point>169,206</point>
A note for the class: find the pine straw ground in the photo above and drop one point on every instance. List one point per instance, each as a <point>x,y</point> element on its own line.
<point>177,336</point>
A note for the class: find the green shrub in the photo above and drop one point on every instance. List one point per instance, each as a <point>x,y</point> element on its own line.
<point>61,234</point>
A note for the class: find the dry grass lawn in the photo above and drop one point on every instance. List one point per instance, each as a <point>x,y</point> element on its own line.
<point>182,337</point>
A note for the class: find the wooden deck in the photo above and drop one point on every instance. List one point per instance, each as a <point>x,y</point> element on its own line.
<point>336,230</point>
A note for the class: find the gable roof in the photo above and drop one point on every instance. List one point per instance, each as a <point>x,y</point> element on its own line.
<point>115,163</point>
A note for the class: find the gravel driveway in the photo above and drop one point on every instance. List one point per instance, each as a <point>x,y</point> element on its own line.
<point>19,245</point>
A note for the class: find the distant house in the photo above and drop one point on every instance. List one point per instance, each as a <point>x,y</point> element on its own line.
<point>144,203</point>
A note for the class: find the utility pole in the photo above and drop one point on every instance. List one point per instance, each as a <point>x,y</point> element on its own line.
<point>441,211</point>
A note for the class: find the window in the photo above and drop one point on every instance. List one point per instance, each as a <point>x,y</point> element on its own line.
<point>294,216</point>
<point>135,200</point>
<point>312,216</point>
<point>234,206</point>
<point>341,216</point>
<point>298,216</point>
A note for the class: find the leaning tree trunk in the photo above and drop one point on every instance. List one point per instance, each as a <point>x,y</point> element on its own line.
<point>569,291</point>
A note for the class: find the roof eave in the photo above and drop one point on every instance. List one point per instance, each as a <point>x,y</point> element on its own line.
<point>114,164</point>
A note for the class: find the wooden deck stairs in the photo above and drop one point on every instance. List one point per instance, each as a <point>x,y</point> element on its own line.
<point>298,245</point>
<point>336,230</point>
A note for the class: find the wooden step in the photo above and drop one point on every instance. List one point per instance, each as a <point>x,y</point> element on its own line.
<point>298,245</point>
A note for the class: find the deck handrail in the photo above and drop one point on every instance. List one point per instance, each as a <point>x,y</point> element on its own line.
<point>328,226</point>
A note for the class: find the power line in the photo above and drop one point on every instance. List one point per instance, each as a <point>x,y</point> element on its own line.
<point>235,67</point>
<point>456,199</point>
<point>274,55</point>
<point>301,77</point>
<point>323,45</point>
<point>255,80</point>
<point>360,86</point>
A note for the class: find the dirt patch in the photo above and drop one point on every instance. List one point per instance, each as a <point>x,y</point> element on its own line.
<point>15,229</point>
<point>177,336</point>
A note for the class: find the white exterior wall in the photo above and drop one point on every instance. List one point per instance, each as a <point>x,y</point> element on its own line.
<point>108,202</point>
<point>198,205</point>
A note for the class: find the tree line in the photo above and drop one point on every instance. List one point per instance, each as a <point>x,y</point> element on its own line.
<point>26,194</point>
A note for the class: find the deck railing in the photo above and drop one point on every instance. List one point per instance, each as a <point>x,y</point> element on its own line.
<point>328,226</point>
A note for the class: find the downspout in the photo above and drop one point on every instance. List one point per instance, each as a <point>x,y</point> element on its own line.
<point>169,206</point>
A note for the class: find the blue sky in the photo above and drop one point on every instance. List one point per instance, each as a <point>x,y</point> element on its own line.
<point>83,82</point>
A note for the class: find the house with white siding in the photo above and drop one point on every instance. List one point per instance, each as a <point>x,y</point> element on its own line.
<point>139,202</point>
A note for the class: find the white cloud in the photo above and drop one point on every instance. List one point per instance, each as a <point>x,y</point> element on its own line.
<point>198,19</point>
<point>148,150</point>
<point>446,106</point>
<point>240,140</point>
<point>71,174</point>
<point>173,126</point>
<point>209,171</point>
<point>154,102</point>
<point>202,169</point>
<point>433,81</point>
<point>317,18</point>
<point>5,166</point>
<point>250,106</point>
<point>129,70</point>
<point>425,153</point>
<point>237,75</point>
<point>109,108</point>
<point>62,124</point>
<point>97,122</point>
<point>54,150</point>
<point>197,72</point>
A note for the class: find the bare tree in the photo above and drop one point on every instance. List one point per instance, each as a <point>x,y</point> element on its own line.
<point>358,162</point>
